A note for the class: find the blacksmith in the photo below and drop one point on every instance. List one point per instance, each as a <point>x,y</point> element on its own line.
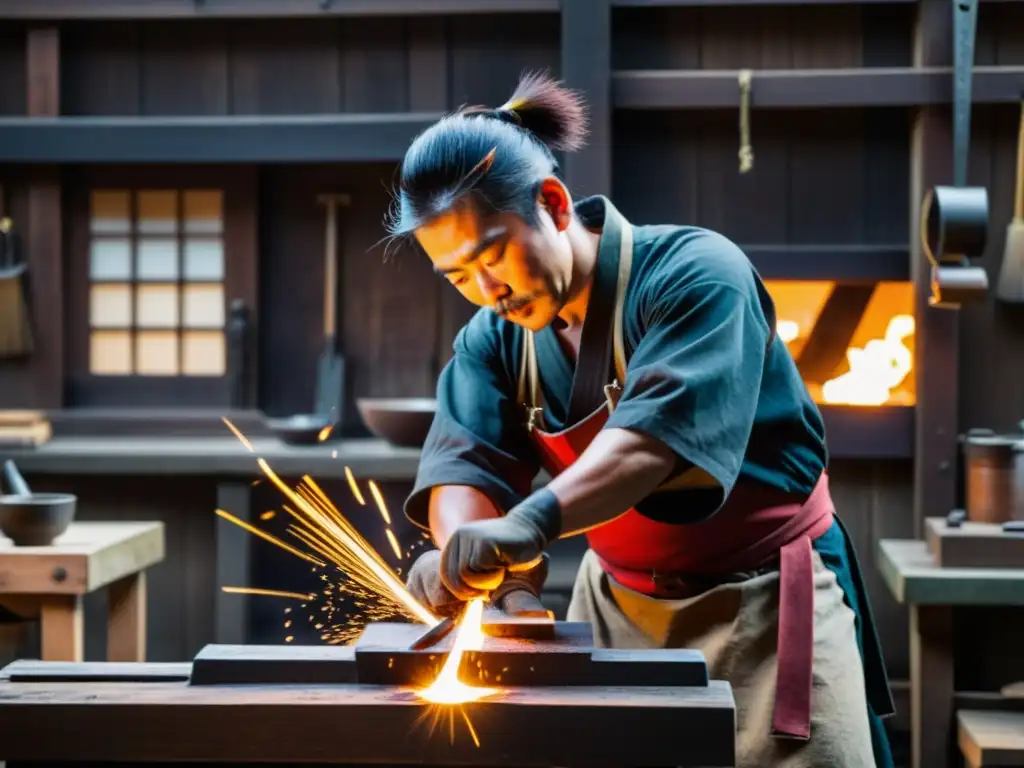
<point>638,365</point>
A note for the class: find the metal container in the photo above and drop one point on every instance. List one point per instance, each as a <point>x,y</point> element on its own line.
<point>994,471</point>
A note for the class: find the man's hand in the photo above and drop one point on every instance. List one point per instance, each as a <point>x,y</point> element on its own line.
<point>424,583</point>
<point>478,554</point>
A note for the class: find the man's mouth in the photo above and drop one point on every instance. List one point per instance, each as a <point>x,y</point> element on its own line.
<point>520,308</point>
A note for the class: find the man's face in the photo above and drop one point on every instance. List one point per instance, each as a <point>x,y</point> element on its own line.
<point>520,271</point>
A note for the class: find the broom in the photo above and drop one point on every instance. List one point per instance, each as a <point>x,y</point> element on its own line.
<point>15,328</point>
<point>1011,277</point>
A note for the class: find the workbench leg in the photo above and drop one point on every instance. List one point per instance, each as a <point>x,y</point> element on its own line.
<point>62,625</point>
<point>931,686</point>
<point>126,619</point>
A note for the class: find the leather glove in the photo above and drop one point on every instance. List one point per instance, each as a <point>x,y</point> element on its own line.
<point>424,583</point>
<point>518,594</point>
<point>479,554</point>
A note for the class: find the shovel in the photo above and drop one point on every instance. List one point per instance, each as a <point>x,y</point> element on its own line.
<point>330,372</point>
<point>1010,288</point>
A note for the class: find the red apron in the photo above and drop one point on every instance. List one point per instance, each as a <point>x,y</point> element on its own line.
<point>754,526</point>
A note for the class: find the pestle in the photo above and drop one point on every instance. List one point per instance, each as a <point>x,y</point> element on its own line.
<point>14,480</point>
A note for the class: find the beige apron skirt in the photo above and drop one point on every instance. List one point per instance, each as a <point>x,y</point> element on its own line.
<point>735,625</point>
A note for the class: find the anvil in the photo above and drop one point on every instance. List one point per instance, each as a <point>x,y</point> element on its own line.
<point>382,656</point>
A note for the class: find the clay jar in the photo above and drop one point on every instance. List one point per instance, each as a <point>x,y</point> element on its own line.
<point>994,470</point>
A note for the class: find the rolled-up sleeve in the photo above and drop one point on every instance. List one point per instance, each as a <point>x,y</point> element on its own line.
<point>694,377</point>
<point>477,437</point>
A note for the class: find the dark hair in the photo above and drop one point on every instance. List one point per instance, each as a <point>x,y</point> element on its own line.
<point>498,156</point>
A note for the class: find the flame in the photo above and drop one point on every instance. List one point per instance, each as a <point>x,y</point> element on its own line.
<point>876,369</point>
<point>447,688</point>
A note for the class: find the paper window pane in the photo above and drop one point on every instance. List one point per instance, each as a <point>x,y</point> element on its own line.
<point>156,306</point>
<point>204,260</point>
<point>204,353</point>
<point>156,353</point>
<point>204,306</point>
<point>110,306</point>
<point>158,212</point>
<point>110,212</point>
<point>110,353</point>
<point>204,211</point>
<point>110,259</point>
<point>157,259</point>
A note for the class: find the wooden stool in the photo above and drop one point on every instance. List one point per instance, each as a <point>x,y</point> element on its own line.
<point>50,582</point>
<point>991,737</point>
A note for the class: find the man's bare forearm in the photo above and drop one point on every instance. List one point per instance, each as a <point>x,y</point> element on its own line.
<point>452,505</point>
<point>617,470</point>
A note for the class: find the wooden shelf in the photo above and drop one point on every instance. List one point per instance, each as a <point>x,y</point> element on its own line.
<point>218,139</point>
<point>58,10</point>
<point>807,88</point>
<point>841,263</point>
<point>869,432</point>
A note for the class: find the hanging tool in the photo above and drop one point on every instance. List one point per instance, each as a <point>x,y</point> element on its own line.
<point>1011,276</point>
<point>330,374</point>
<point>954,220</point>
<point>746,151</point>
<point>16,338</point>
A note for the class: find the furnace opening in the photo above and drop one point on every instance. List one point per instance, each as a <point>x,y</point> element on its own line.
<point>853,343</point>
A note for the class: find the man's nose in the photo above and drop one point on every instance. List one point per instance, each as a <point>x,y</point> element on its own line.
<point>492,290</point>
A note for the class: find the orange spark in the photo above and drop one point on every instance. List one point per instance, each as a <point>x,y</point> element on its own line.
<point>362,551</point>
<point>380,502</point>
<point>238,434</point>
<point>394,543</point>
<point>268,592</point>
<point>325,432</point>
<point>354,486</point>
<point>267,537</point>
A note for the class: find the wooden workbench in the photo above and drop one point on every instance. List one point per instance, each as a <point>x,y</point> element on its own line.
<point>148,712</point>
<point>50,582</point>
<point>930,592</point>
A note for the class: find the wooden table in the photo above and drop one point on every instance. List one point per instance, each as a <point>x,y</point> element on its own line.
<point>137,713</point>
<point>931,592</point>
<point>991,738</point>
<point>50,582</point>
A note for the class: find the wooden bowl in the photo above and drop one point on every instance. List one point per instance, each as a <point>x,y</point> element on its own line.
<point>402,421</point>
<point>37,519</point>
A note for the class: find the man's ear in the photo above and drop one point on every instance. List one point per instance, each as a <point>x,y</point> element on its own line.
<point>555,199</point>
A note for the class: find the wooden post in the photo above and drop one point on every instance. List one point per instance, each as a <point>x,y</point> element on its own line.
<point>936,346</point>
<point>233,556</point>
<point>43,230</point>
<point>586,66</point>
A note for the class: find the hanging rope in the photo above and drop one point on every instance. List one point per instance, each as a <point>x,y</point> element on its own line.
<point>746,151</point>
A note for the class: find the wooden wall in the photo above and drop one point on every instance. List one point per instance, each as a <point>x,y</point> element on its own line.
<point>823,176</point>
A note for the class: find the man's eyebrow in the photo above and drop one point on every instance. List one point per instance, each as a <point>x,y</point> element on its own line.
<point>490,238</point>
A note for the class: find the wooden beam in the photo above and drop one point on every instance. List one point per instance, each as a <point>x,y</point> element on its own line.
<point>225,139</point>
<point>810,88</point>
<point>825,348</point>
<point>586,66</point>
<point>936,346</point>
<point>60,10</point>
<point>44,231</point>
<point>842,263</point>
<point>360,725</point>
